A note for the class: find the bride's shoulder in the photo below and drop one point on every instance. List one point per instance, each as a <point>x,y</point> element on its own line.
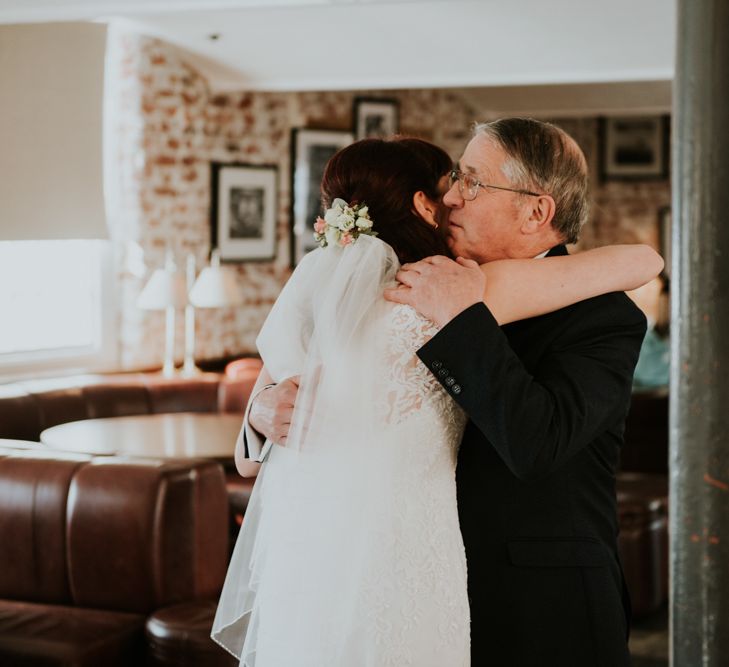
<point>406,319</point>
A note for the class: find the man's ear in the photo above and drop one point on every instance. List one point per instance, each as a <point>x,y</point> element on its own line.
<point>425,207</point>
<point>541,213</point>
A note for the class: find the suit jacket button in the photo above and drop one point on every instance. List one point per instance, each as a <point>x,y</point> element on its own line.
<point>456,388</point>
<point>450,381</point>
<point>436,365</point>
<point>443,372</point>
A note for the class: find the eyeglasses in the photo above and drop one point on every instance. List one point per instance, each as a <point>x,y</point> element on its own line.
<point>468,185</point>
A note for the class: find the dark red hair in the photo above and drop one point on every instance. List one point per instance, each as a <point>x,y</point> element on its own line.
<point>385,175</point>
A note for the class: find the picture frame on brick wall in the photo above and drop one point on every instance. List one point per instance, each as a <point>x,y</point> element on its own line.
<point>634,147</point>
<point>375,117</point>
<point>244,205</point>
<point>310,152</point>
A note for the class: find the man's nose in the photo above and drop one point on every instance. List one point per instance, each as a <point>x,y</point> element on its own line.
<point>452,198</point>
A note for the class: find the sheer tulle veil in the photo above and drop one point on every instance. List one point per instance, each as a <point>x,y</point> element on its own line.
<point>315,505</point>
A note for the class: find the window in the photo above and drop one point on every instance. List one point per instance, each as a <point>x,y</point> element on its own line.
<point>54,305</point>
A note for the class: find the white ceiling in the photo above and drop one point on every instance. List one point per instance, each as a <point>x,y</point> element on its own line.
<point>363,44</point>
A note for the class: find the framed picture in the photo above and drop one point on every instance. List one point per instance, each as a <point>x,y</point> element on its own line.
<point>664,234</point>
<point>310,152</point>
<point>634,147</point>
<point>243,211</point>
<point>375,117</point>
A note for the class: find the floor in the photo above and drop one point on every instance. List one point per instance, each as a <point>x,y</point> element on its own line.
<point>649,640</point>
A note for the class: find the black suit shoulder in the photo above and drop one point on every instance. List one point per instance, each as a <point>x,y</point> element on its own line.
<point>605,312</point>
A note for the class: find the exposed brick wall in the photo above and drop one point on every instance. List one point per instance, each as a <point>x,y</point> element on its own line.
<point>621,211</point>
<point>170,128</point>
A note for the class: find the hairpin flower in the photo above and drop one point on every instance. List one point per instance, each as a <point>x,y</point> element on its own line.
<point>342,224</point>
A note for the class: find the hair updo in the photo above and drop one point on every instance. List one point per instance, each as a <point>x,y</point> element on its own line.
<point>385,175</point>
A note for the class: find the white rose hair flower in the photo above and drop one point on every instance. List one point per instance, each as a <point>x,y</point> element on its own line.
<point>342,224</point>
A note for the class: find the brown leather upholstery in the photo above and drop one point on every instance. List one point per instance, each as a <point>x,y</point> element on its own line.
<point>86,541</point>
<point>243,367</point>
<point>198,394</point>
<point>158,529</point>
<point>37,635</point>
<point>19,414</point>
<point>180,635</point>
<point>236,387</point>
<point>59,406</point>
<point>59,400</point>
<point>33,492</point>
<point>234,393</point>
<point>26,408</point>
<point>116,399</point>
<point>239,493</point>
<point>643,538</point>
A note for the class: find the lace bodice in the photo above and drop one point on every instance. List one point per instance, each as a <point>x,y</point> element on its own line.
<point>412,393</point>
<point>420,536</point>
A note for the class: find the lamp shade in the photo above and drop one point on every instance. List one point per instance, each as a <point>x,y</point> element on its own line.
<point>215,287</point>
<point>165,288</point>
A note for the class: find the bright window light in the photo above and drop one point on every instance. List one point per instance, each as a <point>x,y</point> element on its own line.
<point>50,296</point>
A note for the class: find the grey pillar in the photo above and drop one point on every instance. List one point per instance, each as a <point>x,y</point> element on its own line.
<point>699,450</point>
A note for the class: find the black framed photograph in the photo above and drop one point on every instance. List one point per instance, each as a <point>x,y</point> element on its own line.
<point>310,152</point>
<point>634,147</point>
<point>243,211</point>
<point>373,117</point>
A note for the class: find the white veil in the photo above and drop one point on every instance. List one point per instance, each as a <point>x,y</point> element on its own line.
<point>304,554</point>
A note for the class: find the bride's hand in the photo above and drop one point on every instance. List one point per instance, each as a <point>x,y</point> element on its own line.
<point>272,409</point>
<point>439,288</point>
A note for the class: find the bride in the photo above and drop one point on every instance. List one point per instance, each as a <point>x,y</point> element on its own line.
<point>350,553</point>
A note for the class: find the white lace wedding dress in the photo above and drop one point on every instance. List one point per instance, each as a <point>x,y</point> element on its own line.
<point>350,553</point>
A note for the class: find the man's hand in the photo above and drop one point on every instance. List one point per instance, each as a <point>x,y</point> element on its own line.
<point>439,288</point>
<point>271,411</point>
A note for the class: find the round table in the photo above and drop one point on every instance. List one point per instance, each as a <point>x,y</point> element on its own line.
<point>11,444</point>
<point>168,435</point>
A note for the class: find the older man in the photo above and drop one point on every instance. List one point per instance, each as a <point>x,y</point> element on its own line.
<point>547,400</point>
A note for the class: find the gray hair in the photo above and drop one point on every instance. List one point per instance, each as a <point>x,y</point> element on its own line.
<point>543,157</point>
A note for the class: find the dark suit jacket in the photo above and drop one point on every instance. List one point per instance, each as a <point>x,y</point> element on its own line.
<point>547,400</point>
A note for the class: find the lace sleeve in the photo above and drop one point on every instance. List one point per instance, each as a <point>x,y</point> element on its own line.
<point>410,383</point>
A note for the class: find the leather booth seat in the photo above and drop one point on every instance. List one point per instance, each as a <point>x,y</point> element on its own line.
<point>239,494</point>
<point>643,538</point>
<point>240,376</point>
<point>36,635</point>
<point>91,547</point>
<point>179,636</point>
<point>29,407</point>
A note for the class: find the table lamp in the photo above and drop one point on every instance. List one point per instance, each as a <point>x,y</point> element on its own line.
<point>215,287</point>
<point>165,290</point>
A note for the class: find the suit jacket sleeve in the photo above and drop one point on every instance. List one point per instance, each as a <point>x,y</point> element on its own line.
<point>579,388</point>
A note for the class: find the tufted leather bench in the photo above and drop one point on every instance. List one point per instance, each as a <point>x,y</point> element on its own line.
<point>179,636</point>
<point>29,407</point>
<point>92,547</point>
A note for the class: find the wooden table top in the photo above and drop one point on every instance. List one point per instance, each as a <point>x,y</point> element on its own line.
<point>168,435</point>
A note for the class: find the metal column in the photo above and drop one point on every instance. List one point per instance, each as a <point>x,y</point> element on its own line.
<point>699,422</point>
